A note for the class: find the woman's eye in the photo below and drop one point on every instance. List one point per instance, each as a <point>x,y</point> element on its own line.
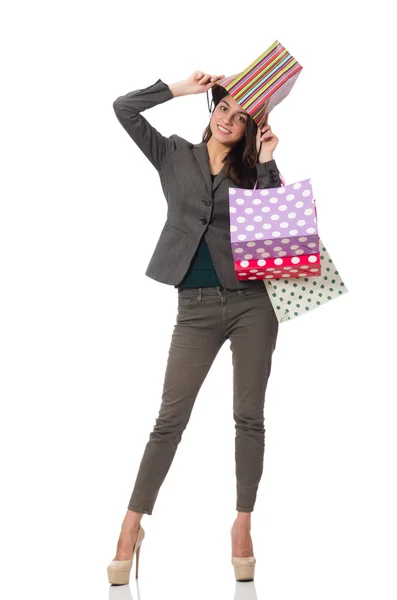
<point>239,116</point>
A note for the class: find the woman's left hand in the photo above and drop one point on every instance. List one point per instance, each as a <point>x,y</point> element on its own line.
<point>268,139</point>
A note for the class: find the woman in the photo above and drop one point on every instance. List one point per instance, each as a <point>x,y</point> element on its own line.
<point>194,254</point>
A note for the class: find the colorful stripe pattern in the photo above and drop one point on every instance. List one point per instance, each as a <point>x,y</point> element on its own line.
<point>263,84</point>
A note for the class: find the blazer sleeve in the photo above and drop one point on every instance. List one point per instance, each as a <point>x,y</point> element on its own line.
<point>268,175</point>
<point>155,146</point>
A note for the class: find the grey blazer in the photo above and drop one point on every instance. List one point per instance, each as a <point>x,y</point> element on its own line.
<point>196,206</point>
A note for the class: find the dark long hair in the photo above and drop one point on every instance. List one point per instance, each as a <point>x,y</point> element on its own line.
<point>240,161</point>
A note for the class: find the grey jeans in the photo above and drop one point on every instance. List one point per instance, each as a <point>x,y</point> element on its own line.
<point>206,318</point>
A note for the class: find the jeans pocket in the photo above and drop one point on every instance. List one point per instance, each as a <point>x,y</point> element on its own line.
<point>186,299</point>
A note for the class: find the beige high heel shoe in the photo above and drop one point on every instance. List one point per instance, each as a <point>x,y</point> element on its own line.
<point>119,570</point>
<point>244,567</point>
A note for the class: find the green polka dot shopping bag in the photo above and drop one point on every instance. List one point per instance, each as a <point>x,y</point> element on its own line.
<point>294,297</point>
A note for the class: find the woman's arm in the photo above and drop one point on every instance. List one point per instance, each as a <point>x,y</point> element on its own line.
<point>268,174</point>
<point>266,143</point>
<point>155,146</point>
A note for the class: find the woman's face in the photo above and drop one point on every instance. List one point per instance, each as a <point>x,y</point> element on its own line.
<point>228,115</point>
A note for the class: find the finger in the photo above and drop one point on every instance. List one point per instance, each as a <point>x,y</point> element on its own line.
<point>214,79</point>
<point>266,118</point>
<point>205,77</point>
<point>209,85</point>
<point>261,131</point>
<point>200,76</point>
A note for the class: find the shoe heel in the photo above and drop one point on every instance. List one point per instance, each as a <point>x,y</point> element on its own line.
<point>137,562</point>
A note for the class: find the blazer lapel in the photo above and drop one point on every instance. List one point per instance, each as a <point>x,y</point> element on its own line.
<point>200,152</point>
<point>219,178</point>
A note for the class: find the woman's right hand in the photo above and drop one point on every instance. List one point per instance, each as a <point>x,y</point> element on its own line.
<point>197,83</point>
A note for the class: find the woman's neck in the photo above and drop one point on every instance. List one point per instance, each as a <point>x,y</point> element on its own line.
<point>217,152</point>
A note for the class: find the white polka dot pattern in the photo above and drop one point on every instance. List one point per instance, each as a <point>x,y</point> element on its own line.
<point>278,267</point>
<point>275,230</point>
<point>285,211</point>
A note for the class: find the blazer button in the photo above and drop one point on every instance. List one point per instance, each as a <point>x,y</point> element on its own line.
<point>207,202</point>
<point>204,221</point>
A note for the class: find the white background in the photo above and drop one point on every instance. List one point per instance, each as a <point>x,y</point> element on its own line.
<point>85,334</point>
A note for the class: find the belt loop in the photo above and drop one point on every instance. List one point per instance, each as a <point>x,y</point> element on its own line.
<point>199,294</point>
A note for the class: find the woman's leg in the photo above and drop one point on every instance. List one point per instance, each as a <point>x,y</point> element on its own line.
<point>128,535</point>
<point>196,340</point>
<point>253,336</point>
<point>241,540</point>
<point>253,333</point>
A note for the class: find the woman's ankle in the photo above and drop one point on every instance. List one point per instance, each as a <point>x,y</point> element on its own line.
<point>243,519</point>
<point>132,520</point>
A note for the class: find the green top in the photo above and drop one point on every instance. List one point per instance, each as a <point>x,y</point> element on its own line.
<point>201,272</point>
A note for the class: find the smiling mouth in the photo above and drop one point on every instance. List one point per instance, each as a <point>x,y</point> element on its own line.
<point>222,129</point>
